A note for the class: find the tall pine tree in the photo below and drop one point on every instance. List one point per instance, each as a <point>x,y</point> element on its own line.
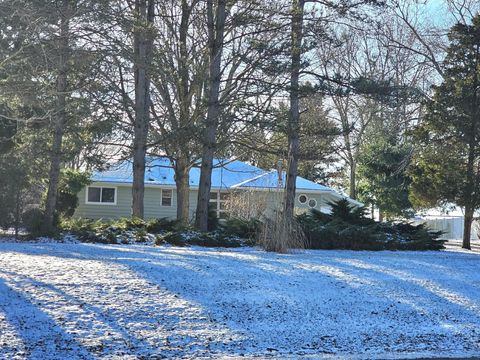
<point>446,168</point>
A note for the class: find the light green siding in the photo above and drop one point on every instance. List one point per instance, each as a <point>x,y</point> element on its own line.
<point>123,206</point>
<point>321,199</point>
<point>105,211</point>
<point>275,200</point>
<point>153,208</point>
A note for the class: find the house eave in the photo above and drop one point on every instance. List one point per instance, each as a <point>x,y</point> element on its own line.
<point>192,187</point>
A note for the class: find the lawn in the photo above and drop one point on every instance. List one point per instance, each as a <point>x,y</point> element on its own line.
<point>81,301</point>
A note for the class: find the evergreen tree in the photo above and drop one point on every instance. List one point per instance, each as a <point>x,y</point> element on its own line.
<point>446,167</point>
<point>384,182</point>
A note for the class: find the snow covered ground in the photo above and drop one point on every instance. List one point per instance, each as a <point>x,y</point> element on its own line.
<point>81,301</point>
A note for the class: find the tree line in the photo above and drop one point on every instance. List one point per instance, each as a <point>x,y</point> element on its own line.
<point>369,95</point>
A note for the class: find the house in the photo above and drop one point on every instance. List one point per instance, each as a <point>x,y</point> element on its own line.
<point>110,193</point>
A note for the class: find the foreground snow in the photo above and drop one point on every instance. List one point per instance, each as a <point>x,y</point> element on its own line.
<point>80,301</point>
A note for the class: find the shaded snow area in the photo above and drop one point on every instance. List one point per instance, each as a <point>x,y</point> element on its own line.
<point>85,301</point>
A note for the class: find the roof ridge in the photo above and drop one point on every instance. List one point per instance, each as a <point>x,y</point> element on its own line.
<point>252,179</point>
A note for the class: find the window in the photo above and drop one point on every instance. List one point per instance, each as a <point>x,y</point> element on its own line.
<point>218,201</point>
<point>302,199</point>
<point>312,203</point>
<point>167,197</point>
<point>101,195</point>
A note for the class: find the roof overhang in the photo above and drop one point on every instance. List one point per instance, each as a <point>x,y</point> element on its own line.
<point>244,188</point>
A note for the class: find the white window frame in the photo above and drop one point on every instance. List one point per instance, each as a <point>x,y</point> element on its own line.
<point>217,201</point>
<point>306,201</point>
<point>101,190</point>
<point>171,198</point>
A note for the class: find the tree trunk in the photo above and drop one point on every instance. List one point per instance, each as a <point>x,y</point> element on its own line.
<point>467,227</point>
<point>471,176</point>
<point>353,180</point>
<point>143,43</point>
<point>182,163</point>
<point>182,181</point>
<point>17,211</point>
<point>215,43</point>
<point>294,114</point>
<point>60,117</point>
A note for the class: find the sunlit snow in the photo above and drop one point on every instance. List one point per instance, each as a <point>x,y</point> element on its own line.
<point>81,301</point>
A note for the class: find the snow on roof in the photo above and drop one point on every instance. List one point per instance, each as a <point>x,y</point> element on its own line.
<point>226,174</point>
<point>271,180</point>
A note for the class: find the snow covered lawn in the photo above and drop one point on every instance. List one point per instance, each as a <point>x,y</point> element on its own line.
<point>80,301</point>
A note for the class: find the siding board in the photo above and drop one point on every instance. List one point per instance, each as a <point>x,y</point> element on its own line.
<point>153,208</point>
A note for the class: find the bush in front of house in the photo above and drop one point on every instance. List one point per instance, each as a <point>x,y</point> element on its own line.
<point>344,228</point>
<point>159,231</point>
<point>196,238</point>
<point>118,231</point>
<point>161,225</point>
<point>406,236</point>
<point>242,228</point>
<point>349,228</point>
<point>71,182</point>
<point>33,220</point>
<point>230,233</point>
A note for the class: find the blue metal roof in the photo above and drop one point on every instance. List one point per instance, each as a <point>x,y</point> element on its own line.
<point>226,174</point>
<point>270,180</point>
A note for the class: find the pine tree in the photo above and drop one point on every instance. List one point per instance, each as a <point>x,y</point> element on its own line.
<point>446,167</point>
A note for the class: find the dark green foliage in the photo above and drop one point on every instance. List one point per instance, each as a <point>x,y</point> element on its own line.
<point>173,238</point>
<point>317,215</point>
<point>245,229</point>
<point>157,226</point>
<point>71,182</point>
<point>348,228</point>
<point>85,228</point>
<point>413,237</point>
<point>344,211</point>
<point>446,165</point>
<point>212,217</point>
<point>33,220</point>
<point>15,181</point>
<point>8,129</point>
<point>129,223</point>
<point>207,239</point>
<point>123,231</point>
<point>384,181</point>
<point>160,231</point>
<point>360,238</point>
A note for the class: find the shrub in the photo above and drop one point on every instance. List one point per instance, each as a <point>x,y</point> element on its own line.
<point>342,210</point>
<point>192,237</point>
<point>340,236</point>
<point>348,228</point>
<point>123,231</point>
<point>157,226</point>
<point>71,182</point>
<point>128,223</point>
<point>34,219</point>
<point>212,217</point>
<point>175,238</point>
<point>245,229</point>
<point>360,238</point>
<point>321,237</point>
<point>417,237</point>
